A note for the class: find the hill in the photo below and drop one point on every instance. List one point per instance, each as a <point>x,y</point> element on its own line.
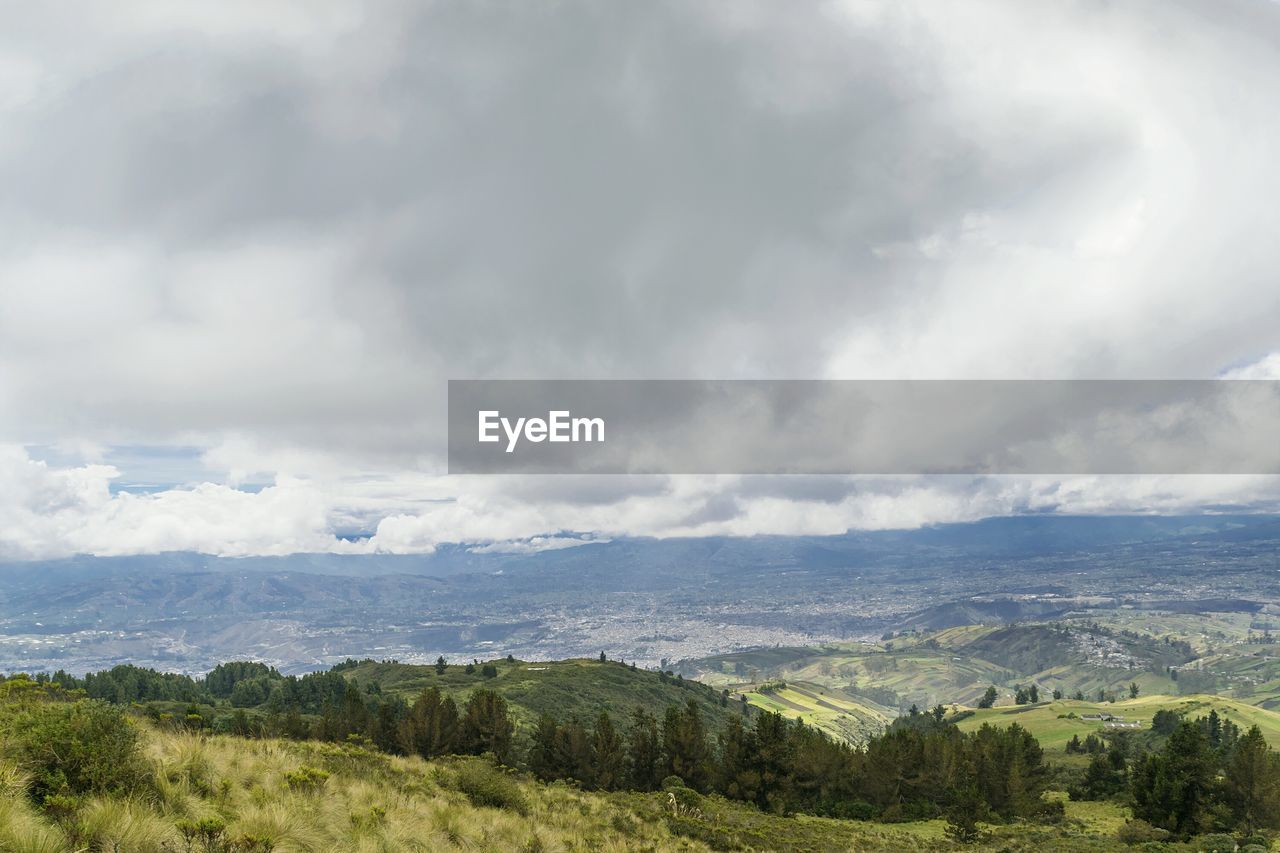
<point>955,666</point>
<point>842,715</point>
<point>579,688</point>
<point>1055,723</point>
<point>200,792</point>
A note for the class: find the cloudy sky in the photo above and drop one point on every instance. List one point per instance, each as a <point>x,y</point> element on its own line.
<point>245,245</point>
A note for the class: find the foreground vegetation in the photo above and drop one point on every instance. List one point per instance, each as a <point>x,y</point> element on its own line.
<point>83,774</point>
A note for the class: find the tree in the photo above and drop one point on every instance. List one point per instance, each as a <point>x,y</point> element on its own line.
<point>739,766</point>
<point>774,750</point>
<point>610,754</point>
<point>430,728</point>
<point>1252,785</point>
<point>1073,745</point>
<point>1057,694</point>
<point>1133,690</point>
<point>1165,722</point>
<point>1020,696</point>
<point>962,818</point>
<point>575,753</point>
<point>384,728</point>
<point>543,761</point>
<point>644,752</point>
<point>1033,694</point>
<point>469,669</point>
<point>441,665</point>
<point>489,671</point>
<point>989,698</point>
<point>1105,777</point>
<point>1171,788</point>
<point>486,726</point>
<point>685,750</point>
<point>602,657</point>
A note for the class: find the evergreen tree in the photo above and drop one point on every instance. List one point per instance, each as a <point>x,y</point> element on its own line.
<point>441,665</point>
<point>1252,784</point>
<point>431,726</point>
<point>739,768</point>
<point>575,753</point>
<point>685,750</point>
<point>989,698</point>
<point>1105,778</point>
<point>774,748</point>
<point>1171,788</point>
<point>610,755</point>
<point>644,752</point>
<point>543,758</point>
<point>486,726</point>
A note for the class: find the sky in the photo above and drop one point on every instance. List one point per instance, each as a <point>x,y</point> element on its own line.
<point>245,245</point>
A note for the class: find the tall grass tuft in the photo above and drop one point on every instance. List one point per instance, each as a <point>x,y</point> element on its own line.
<point>282,827</point>
<point>106,823</point>
<point>22,830</point>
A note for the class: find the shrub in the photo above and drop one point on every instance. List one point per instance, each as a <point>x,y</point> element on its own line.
<point>1216,843</point>
<point>306,780</point>
<point>208,830</point>
<point>1138,831</point>
<point>87,746</point>
<point>485,785</point>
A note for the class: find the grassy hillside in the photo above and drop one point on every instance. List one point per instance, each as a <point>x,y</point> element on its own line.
<point>222,793</point>
<point>1049,723</point>
<point>839,714</point>
<point>954,666</point>
<point>561,688</point>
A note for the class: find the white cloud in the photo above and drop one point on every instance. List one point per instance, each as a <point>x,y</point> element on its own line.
<point>50,511</point>
<point>272,231</point>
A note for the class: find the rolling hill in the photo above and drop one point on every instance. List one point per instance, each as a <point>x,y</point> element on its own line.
<point>563,689</point>
<point>1052,725</point>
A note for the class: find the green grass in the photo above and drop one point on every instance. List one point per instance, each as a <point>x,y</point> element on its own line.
<point>842,716</point>
<point>238,792</point>
<point>954,666</point>
<point>578,687</point>
<point>1045,720</point>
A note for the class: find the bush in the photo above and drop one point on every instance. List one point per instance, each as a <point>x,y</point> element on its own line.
<point>485,785</point>
<point>84,747</point>
<point>1139,832</point>
<point>306,780</point>
<point>1216,843</point>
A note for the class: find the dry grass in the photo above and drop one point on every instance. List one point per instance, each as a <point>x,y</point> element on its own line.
<point>234,795</point>
<point>238,790</point>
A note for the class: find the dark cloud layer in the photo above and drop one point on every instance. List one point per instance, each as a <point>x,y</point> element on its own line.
<point>274,230</point>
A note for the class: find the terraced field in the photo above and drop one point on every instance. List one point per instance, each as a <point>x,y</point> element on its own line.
<point>839,714</point>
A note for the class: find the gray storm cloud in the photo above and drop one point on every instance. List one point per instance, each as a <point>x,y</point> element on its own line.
<point>273,231</point>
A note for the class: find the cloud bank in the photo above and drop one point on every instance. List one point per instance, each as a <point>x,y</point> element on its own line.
<point>270,232</point>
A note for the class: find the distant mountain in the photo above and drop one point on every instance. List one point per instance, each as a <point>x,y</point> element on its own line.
<point>644,599</point>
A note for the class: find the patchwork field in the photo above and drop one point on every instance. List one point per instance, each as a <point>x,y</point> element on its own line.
<point>840,715</point>
<point>1051,725</point>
